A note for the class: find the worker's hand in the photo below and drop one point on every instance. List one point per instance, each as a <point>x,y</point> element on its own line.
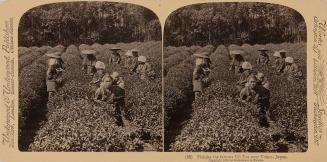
<point>241,100</point>
<point>206,69</point>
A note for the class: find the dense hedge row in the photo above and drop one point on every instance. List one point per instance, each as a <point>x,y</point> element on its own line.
<point>32,86</point>
<point>178,85</point>
<point>27,58</point>
<point>218,122</point>
<point>77,123</point>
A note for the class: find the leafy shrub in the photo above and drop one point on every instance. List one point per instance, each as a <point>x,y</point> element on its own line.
<point>23,50</point>
<point>178,87</point>
<point>72,49</point>
<point>31,87</point>
<point>84,47</point>
<point>175,59</point>
<point>207,48</point>
<point>218,122</point>
<point>84,125</point>
<point>27,59</point>
<point>44,49</point>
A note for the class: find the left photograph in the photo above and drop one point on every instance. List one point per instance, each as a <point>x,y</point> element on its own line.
<point>90,78</point>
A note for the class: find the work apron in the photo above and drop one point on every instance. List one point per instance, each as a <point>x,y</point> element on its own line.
<point>197,86</point>
<point>51,86</point>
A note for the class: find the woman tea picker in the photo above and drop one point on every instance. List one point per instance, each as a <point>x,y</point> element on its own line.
<point>54,72</point>
<point>255,93</point>
<point>263,58</point>
<point>105,88</point>
<point>246,71</point>
<point>262,80</point>
<point>114,57</point>
<point>131,60</point>
<point>144,69</point>
<point>237,60</point>
<point>99,67</point>
<point>203,58</point>
<point>280,60</point>
<point>89,61</point>
<point>200,74</point>
<point>118,97</point>
<point>291,70</point>
<point>134,62</point>
<point>112,89</point>
<point>128,59</point>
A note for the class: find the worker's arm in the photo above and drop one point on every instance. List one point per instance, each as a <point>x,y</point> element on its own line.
<point>118,59</point>
<point>50,74</point>
<point>243,95</point>
<point>150,71</point>
<point>95,79</point>
<point>255,98</point>
<point>138,69</point>
<point>148,67</point>
<point>243,79</point>
<point>196,74</point>
<point>295,68</point>
<point>267,60</point>
<point>279,65</point>
<point>110,59</point>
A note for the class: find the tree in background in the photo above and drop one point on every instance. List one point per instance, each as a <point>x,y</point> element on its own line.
<point>238,23</point>
<point>87,22</point>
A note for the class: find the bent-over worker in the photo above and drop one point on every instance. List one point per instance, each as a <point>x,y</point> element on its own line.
<point>144,69</point>
<point>263,58</point>
<point>89,61</point>
<point>115,57</point>
<point>259,96</point>
<point>291,69</point>
<point>245,73</point>
<point>53,74</point>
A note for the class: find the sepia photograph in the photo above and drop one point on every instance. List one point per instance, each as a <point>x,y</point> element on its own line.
<point>235,78</point>
<point>169,81</point>
<point>90,78</point>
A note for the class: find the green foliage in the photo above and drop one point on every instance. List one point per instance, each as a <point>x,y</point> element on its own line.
<point>31,87</point>
<point>76,123</point>
<point>224,23</point>
<point>219,122</point>
<point>27,57</point>
<point>87,22</point>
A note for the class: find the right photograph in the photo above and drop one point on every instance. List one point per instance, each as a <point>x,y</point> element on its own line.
<point>235,78</point>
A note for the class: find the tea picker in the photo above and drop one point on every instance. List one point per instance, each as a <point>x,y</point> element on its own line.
<point>115,57</point>
<point>237,60</point>
<point>89,61</point>
<point>54,72</point>
<point>280,60</point>
<point>200,74</point>
<point>263,57</point>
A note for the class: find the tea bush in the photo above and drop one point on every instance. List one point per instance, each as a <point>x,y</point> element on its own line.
<point>81,124</point>
<point>219,122</point>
